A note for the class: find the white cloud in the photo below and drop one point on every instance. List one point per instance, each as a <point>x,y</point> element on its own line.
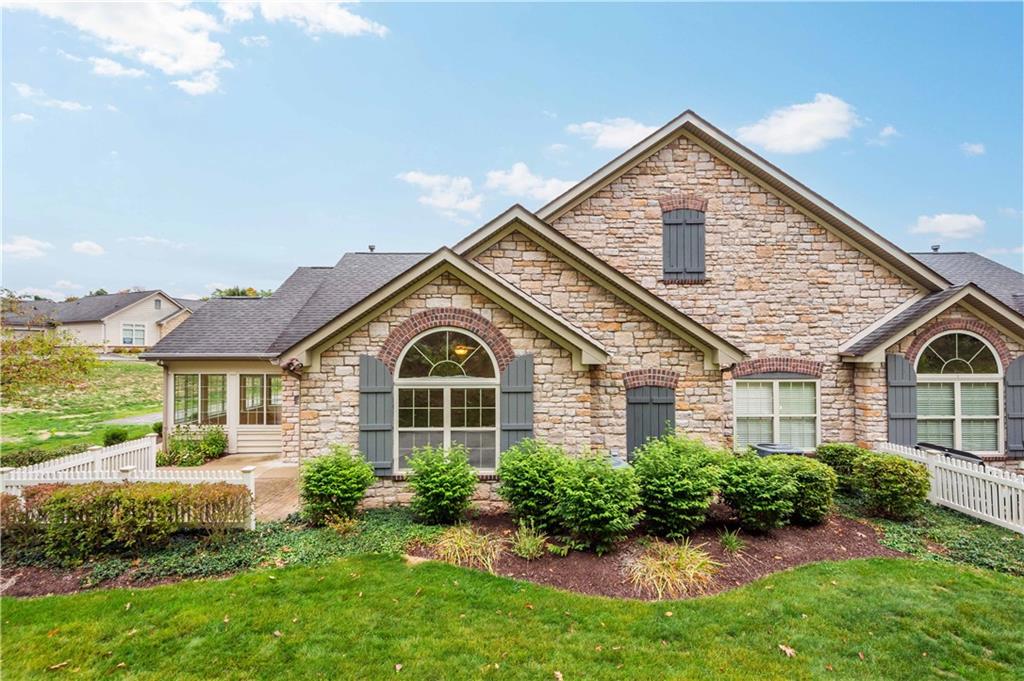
<point>321,17</point>
<point>65,285</point>
<point>25,248</point>
<point>949,225</point>
<point>113,109</point>
<point>611,133</point>
<point>153,241</point>
<point>884,136</point>
<point>87,248</point>
<point>972,148</point>
<point>237,11</point>
<point>801,128</point>
<point>203,84</point>
<point>447,194</point>
<point>557,148</point>
<point>549,114</point>
<point>102,66</point>
<point>69,57</point>
<point>40,98</point>
<point>255,41</point>
<point>22,118</point>
<point>519,181</point>
<point>1017,250</point>
<point>1012,213</point>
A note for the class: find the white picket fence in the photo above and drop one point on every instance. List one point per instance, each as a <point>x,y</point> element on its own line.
<point>132,461</point>
<point>984,492</point>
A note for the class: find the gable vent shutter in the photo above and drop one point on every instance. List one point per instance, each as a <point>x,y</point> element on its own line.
<point>650,412</point>
<point>682,245</point>
<point>1015,407</point>
<point>376,414</point>
<point>517,401</point>
<point>901,382</point>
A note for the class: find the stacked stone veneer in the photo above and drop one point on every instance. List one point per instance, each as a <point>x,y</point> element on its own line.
<point>396,492</point>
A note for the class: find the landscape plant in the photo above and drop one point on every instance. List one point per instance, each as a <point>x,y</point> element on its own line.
<point>596,505</point>
<point>840,456</point>
<point>815,487</point>
<point>463,545</point>
<point>193,446</point>
<point>443,483</point>
<point>114,436</point>
<point>528,542</point>
<point>890,486</point>
<point>760,493</point>
<point>527,472</point>
<point>673,570</point>
<point>333,484</point>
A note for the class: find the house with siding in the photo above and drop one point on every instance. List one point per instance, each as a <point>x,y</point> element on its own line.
<point>687,284</point>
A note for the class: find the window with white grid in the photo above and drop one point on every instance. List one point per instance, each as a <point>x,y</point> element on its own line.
<point>776,411</point>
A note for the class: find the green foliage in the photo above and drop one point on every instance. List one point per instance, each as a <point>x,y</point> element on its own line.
<point>527,472</point>
<point>759,492</point>
<point>528,542</point>
<point>114,436</point>
<point>37,361</point>
<point>840,456</point>
<point>158,428</point>
<point>673,570</point>
<point>462,545</point>
<point>18,525</point>
<point>241,291</point>
<point>193,446</point>
<point>596,505</point>
<point>815,487</point>
<point>678,480</point>
<point>890,486</point>
<point>442,482</point>
<point>32,455</point>
<point>89,519</point>
<point>332,485</point>
<point>731,542</point>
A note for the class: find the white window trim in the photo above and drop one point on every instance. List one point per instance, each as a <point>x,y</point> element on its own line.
<point>157,303</point>
<point>199,398</point>
<point>446,384</point>
<point>134,326</point>
<point>776,416</point>
<point>957,380</point>
<point>263,396</point>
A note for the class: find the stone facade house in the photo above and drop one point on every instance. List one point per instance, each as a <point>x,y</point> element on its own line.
<point>687,284</point>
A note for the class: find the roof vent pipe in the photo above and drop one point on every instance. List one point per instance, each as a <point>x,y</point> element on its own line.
<point>935,248</point>
<point>373,248</point>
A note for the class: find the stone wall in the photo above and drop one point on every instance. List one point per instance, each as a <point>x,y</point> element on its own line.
<point>396,492</point>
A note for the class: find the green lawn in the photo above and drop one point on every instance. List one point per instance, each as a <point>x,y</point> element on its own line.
<point>361,617</point>
<point>75,414</point>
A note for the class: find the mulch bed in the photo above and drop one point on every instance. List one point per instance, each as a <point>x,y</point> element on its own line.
<point>838,538</point>
<point>39,581</point>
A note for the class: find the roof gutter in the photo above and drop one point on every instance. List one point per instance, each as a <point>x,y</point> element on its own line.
<point>204,355</point>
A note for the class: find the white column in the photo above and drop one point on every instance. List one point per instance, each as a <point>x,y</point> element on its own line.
<point>233,393</point>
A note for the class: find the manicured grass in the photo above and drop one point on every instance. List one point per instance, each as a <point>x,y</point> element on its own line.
<point>75,414</point>
<point>361,617</point>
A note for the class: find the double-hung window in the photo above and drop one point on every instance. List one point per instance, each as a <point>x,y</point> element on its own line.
<point>259,400</point>
<point>776,411</point>
<point>200,399</point>
<point>133,334</point>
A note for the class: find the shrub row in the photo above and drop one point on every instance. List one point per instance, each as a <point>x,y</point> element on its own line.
<point>887,485</point>
<point>193,446</point>
<point>332,485</point>
<point>27,457</point>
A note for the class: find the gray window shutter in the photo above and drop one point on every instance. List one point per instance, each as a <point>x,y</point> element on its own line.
<point>650,412</point>
<point>682,245</point>
<point>901,384</point>
<point>376,414</point>
<point>517,401</point>
<point>1015,407</point>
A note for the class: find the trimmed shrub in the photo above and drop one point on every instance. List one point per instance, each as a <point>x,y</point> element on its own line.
<point>527,472</point>
<point>17,524</point>
<point>759,492</point>
<point>815,487</point>
<point>87,520</point>
<point>890,486</point>
<point>840,456</point>
<point>114,436</point>
<point>678,479</point>
<point>27,457</point>
<point>442,482</point>
<point>596,505</point>
<point>158,428</point>
<point>193,446</point>
<point>332,485</point>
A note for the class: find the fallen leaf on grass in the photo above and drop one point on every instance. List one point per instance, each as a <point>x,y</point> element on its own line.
<point>128,605</point>
<point>226,619</point>
<point>59,665</point>
<point>398,668</point>
<point>860,655</point>
<point>132,632</point>
<point>529,606</point>
<point>278,634</point>
<point>271,577</point>
<point>52,632</point>
<point>558,676</point>
<point>787,650</point>
<point>668,613</point>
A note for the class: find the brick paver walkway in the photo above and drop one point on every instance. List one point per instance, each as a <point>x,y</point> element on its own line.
<point>277,488</point>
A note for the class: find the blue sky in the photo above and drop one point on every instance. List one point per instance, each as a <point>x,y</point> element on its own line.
<point>185,147</point>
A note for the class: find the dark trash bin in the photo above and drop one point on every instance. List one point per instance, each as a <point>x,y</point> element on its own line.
<point>769,448</point>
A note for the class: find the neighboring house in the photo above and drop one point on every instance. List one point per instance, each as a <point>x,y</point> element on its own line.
<point>116,320</point>
<point>688,283</point>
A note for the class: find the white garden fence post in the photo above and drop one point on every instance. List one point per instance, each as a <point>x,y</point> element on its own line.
<point>149,455</point>
<point>3,478</point>
<point>97,458</point>
<point>126,472</point>
<point>249,476</point>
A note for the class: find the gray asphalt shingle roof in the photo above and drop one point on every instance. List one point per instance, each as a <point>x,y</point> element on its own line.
<point>911,314</point>
<point>85,309</point>
<point>995,279</point>
<point>308,299</point>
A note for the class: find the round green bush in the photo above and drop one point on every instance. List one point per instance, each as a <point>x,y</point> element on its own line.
<point>332,485</point>
<point>527,473</point>
<point>759,492</point>
<point>442,482</point>
<point>839,456</point>
<point>114,436</point>
<point>678,479</point>
<point>815,487</point>
<point>158,428</point>
<point>890,486</point>
<point>596,505</point>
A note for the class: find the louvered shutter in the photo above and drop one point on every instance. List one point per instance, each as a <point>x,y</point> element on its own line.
<point>682,246</point>
<point>1014,392</point>
<point>901,384</point>
<point>650,412</point>
<point>517,401</point>
<point>376,414</point>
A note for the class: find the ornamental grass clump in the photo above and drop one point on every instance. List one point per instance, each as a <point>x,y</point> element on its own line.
<point>331,486</point>
<point>678,480</point>
<point>442,482</point>
<point>527,472</point>
<point>528,542</point>
<point>890,486</point>
<point>673,570</point>
<point>462,545</point>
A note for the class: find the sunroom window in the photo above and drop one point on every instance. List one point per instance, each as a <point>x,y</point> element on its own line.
<point>959,388</point>
<point>259,400</point>
<point>447,394</point>
<point>780,411</point>
<point>200,399</point>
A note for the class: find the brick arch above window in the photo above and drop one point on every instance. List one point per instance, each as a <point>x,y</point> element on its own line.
<point>928,334</point>
<point>769,365</point>
<point>433,318</point>
<point>654,378</point>
<point>671,202</point>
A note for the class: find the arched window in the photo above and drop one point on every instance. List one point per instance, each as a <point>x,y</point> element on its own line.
<point>959,393</point>
<point>447,394</point>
